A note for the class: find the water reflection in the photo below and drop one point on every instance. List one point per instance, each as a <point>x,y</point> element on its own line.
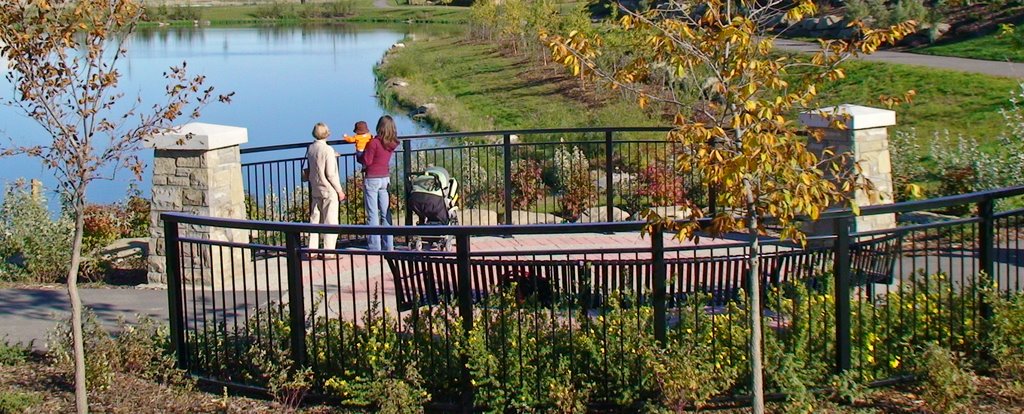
<point>285,80</point>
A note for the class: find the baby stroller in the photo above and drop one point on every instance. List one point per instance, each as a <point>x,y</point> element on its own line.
<point>433,197</point>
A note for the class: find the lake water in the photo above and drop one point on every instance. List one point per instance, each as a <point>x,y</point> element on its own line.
<point>285,80</point>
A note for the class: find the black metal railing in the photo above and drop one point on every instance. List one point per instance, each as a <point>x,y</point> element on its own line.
<point>497,318</point>
<point>506,177</point>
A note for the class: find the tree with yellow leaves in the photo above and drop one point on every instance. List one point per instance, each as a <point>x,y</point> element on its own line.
<point>734,95</point>
<point>64,59</point>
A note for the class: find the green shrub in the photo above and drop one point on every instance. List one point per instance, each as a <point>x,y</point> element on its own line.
<point>275,10</point>
<point>33,245</point>
<point>338,8</point>
<point>857,9</point>
<point>12,354</point>
<point>479,186</point>
<point>143,348</point>
<point>165,13</point>
<point>687,374</point>
<point>99,355</point>
<point>140,349</point>
<point>907,164</point>
<point>136,210</point>
<point>358,364</point>
<point>924,310</point>
<point>14,402</point>
<point>526,354</point>
<point>1006,333</point>
<point>947,386</point>
<point>375,375</point>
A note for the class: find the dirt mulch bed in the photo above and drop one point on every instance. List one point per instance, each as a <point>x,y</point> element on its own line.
<point>127,394</point>
<point>132,394</point>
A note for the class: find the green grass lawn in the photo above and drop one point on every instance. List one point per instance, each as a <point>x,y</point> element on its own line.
<point>479,88</point>
<point>362,11</point>
<point>961,103</point>
<point>476,84</point>
<point>987,47</point>
<point>476,87</point>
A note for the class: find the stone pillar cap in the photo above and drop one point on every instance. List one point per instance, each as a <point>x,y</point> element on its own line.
<point>199,136</point>
<point>856,117</point>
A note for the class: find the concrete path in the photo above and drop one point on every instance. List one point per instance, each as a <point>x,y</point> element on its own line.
<point>986,67</point>
<point>27,315</point>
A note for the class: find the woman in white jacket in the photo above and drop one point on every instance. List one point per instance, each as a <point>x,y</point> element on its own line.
<point>324,185</point>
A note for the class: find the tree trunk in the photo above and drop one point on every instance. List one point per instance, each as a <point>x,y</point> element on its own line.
<point>81,402</point>
<point>757,378</point>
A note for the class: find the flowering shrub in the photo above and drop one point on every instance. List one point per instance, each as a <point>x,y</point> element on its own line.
<point>598,347</point>
<point>102,225</point>
<point>526,183</point>
<point>661,185</point>
<point>658,184</point>
<point>578,191</point>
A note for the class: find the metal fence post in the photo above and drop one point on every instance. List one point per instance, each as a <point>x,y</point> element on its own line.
<point>506,150</point>
<point>609,189</point>
<point>712,200</point>
<point>660,272</point>
<point>842,287</point>
<point>986,250</point>
<point>406,170</point>
<point>174,294</point>
<point>465,299</point>
<point>296,301</point>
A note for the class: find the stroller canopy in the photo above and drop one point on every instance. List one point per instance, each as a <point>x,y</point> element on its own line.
<point>433,180</point>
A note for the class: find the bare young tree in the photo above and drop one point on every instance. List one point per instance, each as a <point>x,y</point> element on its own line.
<point>63,57</point>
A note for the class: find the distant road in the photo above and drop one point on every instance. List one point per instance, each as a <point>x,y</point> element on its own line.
<point>985,67</point>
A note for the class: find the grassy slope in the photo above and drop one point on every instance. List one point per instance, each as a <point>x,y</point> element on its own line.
<point>475,83</point>
<point>476,88</point>
<point>987,47</point>
<point>962,103</point>
<point>363,11</point>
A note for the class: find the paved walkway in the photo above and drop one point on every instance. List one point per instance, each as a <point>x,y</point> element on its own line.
<point>27,315</point>
<point>347,284</point>
<point>986,67</point>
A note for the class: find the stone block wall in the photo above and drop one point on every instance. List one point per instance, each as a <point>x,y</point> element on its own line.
<point>201,182</point>
<point>866,137</point>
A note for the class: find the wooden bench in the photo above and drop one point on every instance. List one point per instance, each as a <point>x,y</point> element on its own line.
<point>426,280</point>
<point>873,260</point>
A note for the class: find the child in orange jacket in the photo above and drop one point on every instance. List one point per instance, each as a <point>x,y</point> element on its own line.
<point>361,138</point>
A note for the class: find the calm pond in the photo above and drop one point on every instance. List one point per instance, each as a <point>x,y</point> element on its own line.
<point>285,80</point>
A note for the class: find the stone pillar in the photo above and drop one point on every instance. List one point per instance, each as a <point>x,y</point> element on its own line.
<point>197,169</point>
<point>866,136</point>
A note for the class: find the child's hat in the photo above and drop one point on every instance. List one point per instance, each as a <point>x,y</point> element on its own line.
<point>361,128</point>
